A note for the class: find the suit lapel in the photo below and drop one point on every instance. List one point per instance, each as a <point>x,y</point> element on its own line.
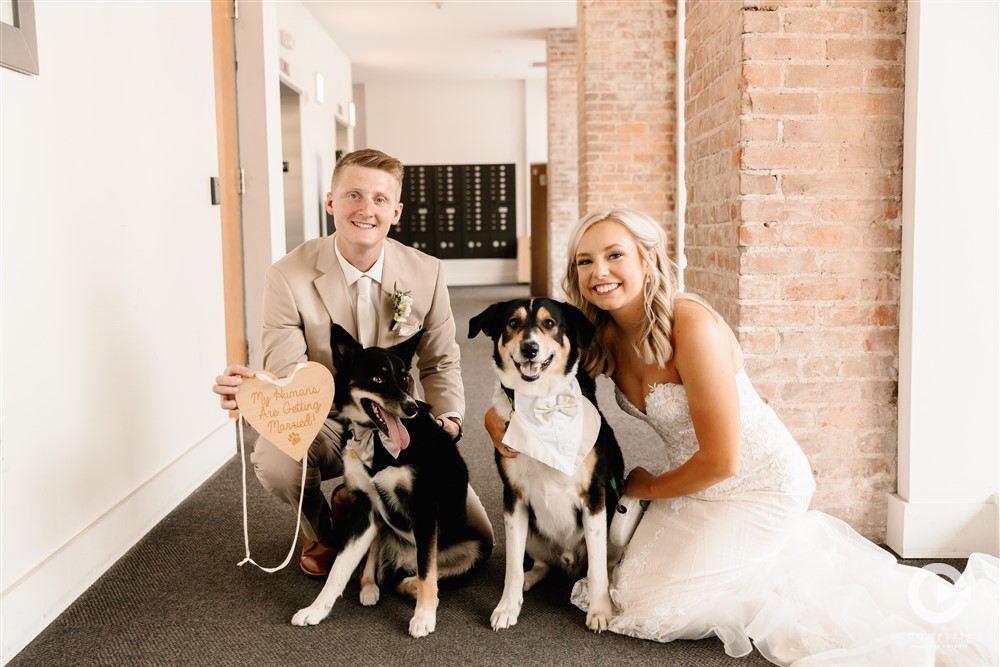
<point>332,288</point>
<point>386,337</point>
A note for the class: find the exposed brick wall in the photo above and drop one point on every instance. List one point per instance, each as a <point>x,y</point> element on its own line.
<point>713,92</point>
<point>627,106</point>
<point>813,226</point>
<point>563,166</point>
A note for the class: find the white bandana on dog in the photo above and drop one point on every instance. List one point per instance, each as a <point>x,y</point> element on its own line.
<point>557,430</point>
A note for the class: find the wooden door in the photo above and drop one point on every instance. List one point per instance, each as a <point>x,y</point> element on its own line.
<point>540,272</point>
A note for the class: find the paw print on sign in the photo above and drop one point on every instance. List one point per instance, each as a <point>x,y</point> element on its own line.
<point>293,438</point>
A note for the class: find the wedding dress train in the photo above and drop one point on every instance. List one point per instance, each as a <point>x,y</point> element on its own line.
<point>746,561</point>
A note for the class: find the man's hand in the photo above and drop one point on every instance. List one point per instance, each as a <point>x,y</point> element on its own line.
<point>496,427</point>
<point>452,426</point>
<point>228,383</point>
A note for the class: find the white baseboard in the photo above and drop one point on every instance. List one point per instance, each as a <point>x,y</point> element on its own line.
<point>37,598</point>
<point>464,272</point>
<point>941,529</point>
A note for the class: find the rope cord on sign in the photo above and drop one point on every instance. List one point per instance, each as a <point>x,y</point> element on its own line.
<point>243,478</point>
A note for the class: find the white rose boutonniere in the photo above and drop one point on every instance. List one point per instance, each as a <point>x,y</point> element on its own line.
<point>402,305</point>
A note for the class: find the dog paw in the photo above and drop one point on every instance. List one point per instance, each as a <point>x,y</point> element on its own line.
<point>422,623</point>
<point>309,616</point>
<point>408,586</point>
<point>598,619</point>
<point>369,595</point>
<point>505,615</point>
<point>534,575</point>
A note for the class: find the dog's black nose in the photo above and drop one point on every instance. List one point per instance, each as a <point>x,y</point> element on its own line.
<point>529,349</point>
<point>410,409</point>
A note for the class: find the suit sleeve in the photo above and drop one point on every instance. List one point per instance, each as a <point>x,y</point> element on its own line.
<point>282,338</point>
<point>439,363</point>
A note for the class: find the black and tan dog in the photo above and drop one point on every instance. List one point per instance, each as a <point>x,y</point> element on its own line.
<point>558,493</point>
<point>411,508</point>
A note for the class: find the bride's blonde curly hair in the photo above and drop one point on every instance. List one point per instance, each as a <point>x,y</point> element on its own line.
<point>654,343</point>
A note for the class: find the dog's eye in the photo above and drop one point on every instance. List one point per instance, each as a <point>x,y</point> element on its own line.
<point>377,380</point>
<point>514,323</point>
<point>549,324</point>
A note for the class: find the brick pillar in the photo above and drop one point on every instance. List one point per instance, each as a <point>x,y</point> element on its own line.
<point>627,106</point>
<point>794,191</point>
<point>713,90</point>
<point>563,167</point>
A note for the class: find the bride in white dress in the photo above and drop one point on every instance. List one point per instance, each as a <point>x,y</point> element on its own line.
<point>728,546</point>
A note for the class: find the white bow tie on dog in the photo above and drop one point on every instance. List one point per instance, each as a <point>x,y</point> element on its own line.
<point>554,429</point>
<point>364,446</point>
<point>565,403</point>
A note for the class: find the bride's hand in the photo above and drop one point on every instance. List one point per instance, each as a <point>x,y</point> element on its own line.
<point>496,427</point>
<point>638,484</point>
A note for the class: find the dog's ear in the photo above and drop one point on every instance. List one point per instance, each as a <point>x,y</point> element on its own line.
<point>584,328</point>
<point>408,347</point>
<point>342,344</point>
<point>486,321</point>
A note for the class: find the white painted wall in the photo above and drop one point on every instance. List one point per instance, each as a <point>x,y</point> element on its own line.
<point>311,52</point>
<point>454,122</point>
<point>536,122</point>
<point>360,134</point>
<point>950,309</point>
<point>111,294</point>
<point>259,52</point>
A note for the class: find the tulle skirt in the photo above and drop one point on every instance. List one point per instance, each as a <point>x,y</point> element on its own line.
<point>757,569</point>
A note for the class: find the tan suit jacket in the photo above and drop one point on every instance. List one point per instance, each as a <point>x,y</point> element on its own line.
<point>305,292</point>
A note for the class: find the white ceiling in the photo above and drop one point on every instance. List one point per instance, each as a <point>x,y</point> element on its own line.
<point>443,39</point>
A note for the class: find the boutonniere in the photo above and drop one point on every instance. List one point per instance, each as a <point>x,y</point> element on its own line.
<point>402,305</point>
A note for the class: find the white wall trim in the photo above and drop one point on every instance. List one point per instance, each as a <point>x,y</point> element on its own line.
<point>947,457</point>
<point>36,599</point>
<point>460,272</point>
<point>941,529</point>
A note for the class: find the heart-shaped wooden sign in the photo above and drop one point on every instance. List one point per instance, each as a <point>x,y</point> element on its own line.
<point>288,412</point>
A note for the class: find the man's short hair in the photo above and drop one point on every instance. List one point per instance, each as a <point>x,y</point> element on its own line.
<point>371,159</point>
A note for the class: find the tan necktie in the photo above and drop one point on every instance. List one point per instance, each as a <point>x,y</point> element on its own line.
<point>367,315</point>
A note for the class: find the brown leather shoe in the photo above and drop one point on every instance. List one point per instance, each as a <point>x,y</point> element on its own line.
<point>340,504</point>
<point>317,558</point>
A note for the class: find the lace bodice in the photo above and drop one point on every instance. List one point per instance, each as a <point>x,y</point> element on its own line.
<point>770,459</point>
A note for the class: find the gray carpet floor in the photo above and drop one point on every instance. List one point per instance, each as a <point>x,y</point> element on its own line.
<point>178,597</point>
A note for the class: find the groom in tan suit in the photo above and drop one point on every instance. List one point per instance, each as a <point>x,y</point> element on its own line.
<point>344,278</point>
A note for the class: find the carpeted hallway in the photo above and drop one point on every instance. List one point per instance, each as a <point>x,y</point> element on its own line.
<point>178,598</point>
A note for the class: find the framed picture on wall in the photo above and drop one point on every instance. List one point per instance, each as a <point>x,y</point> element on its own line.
<point>18,46</point>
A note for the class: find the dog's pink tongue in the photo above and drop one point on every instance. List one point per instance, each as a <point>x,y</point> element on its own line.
<point>397,432</point>
<point>531,368</point>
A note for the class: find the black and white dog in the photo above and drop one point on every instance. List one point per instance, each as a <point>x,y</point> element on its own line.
<point>558,492</point>
<point>411,506</point>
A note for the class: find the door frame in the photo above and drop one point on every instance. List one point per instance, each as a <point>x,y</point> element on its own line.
<point>224,60</point>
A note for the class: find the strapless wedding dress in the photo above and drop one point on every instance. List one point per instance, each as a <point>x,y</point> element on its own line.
<point>746,561</point>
